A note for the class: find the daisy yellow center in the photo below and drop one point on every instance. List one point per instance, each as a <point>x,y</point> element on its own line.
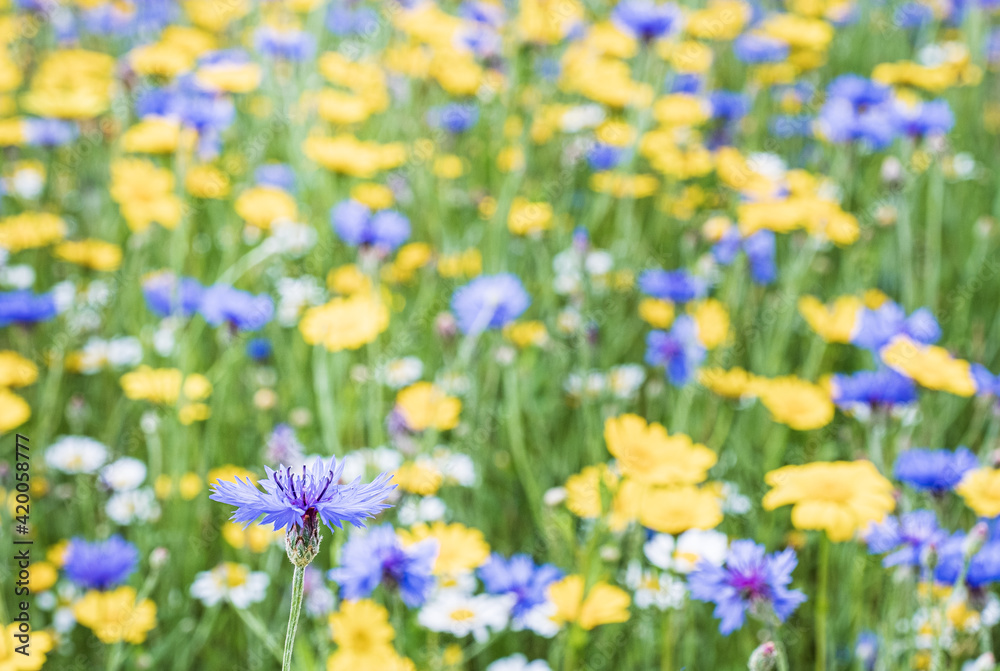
<point>462,615</point>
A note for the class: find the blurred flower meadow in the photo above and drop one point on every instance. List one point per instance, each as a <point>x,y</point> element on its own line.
<point>503,335</point>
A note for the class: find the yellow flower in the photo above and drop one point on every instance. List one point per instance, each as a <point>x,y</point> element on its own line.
<point>602,604</point>
<point>449,166</point>
<point>15,370</point>
<point>624,186</point>
<point>206,181</point>
<point>584,490</point>
<point>39,643</point>
<point>930,366</point>
<point>981,491</point>
<point>732,383</point>
<point>71,84</point>
<point>544,22</point>
<point>116,616</point>
<point>713,322</point>
<point>656,312</point>
<point>527,218</point>
<point>460,548</point>
<point>462,264</point>
<point>264,206</point>
<point>145,194</point>
<point>721,20</point>
<point>681,109</point>
<point>374,196</point>
<point>345,323</point>
<point>348,280</point>
<point>95,254</point>
<point>256,538</point>
<point>164,385</point>
<point>674,510</point>
<point>43,576</point>
<point>14,410</point>
<point>215,15</point>
<point>30,230</point>
<point>364,637</point>
<point>229,77</point>
<point>527,333</point>
<point>154,135</point>
<point>647,454</point>
<point>229,472</point>
<point>418,477</point>
<point>348,155</point>
<point>798,403</point>
<point>839,497</point>
<point>424,406</point>
<point>833,323</point>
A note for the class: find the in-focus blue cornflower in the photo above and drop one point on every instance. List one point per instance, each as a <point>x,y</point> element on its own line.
<point>875,328</point>
<point>904,538</point>
<point>293,500</point>
<point>454,117</point>
<point>520,577</point>
<point>647,20</point>
<point>26,307</point>
<point>489,302</point>
<point>289,45</point>
<point>357,226</point>
<point>760,250</point>
<point>604,156</point>
<point>100,564</point>
<point>672,285</point>
<point>748,580</point>
<point>751,48</point>
<point>167,295</point>
<point>935,471</point>
<point>222,304</point>
<point>280,175</point>
<point>379,558</point>
<point>678,350</point>
<point>882,388</point>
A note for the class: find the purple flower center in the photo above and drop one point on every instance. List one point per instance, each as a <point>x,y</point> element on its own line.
<point>751,586</point>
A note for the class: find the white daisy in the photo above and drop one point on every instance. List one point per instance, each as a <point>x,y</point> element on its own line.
<point>125,474</point>
<point>402,372</point>
<point>136,505</point>
<point>652,590</point>
<point>230,582</point>
<point>518,662</point>
<point>76,454</point>
<point>460,614</point>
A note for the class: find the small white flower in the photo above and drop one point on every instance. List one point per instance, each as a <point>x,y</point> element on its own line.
<point>539,620</point>
<point>518,662</point>
<point>27,182</point>
<point>76,454</point>
<point>624,381</point>
<point>456,468</point>
<point>581,117</point>
<point>124,474</point>
<point>421,509</point>
<point>17,277</point>
<point>684,552</point>
<point>662,591</point>
<point>402,372</point>
<point>459,614</point>
<point>230,582</point>
<point>292,238</point>
<point>137,505</point>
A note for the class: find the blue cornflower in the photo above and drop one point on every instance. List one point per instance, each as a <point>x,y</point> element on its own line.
<point>167,295</point>
<point>875,328</point>
<point>604,156</point>
<point>26,307</point>
<point>342,19</point>
<point>933,117</point>
<point>259,349</point>
<point>749,579</point>
<point>454,117</point>
<point>913,15</point>
<point>489,302</point>
<point>905,538</point>
<point>883,388</point>
<point>858,109</point>
<point>520,577</point>
<point>760,250</point>
<point>678,350</point>
<point>357,226</point>
<point>646,20</point>
<point>100,564</point>
<point>687,82</point>
<point>986,382</point>
<point>984,566</point>
<point>291,500</point>
<point>729,105</point>
<point>934,470</point>
<point>49,132</point>
<point>378,557</point>
<point>751,48</point>
<point>728,247</point>
<point>222,304</point>
<point>790,125</point>
<point>290,45</point>
<point>672,285</point>
<point>280,175</point>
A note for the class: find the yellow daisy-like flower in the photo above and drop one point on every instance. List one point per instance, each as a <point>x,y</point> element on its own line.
<point>834,323</point>
<point>839,497</point>
<point>980,489</point>
<point>656,312</point>
<point>460,548</point>
<point>418,477</point>
<point>14,410</point>
<point>263,206</point>
<point>733,383</point>
<point>674,510</point>
<point>164,385</point>
<point>647,454</point>
<point>713,322</point>
<point>527,218</point>
<point>602,604</point>
<point>145,194</point>
<point>364,637</point>
<point>798,403</point>
<point>30,230</point>
<point>15,370</point>
<point>345,323</point>
<point>116,616</point>
<point>527,333</point>
<point>11,659</point>
<point>929,366</point>
<point>94,254</point>
<point>256,538</point>
<point>206,181</point>
<point>584,490</point>
<point>348,155</point>
<point>424,406</point>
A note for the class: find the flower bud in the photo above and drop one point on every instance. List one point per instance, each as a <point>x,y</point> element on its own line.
<point>302,541</point>
<point>764,657</point>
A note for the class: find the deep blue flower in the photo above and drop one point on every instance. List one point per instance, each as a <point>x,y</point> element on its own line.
<point>678,350</point>
<point>259,349</point>
<point>100,564</point>
<point>751,48</point>
<point>222,304</point>
<point>875,328</point>
<point>760,250</point>
<point>378,557</point>
<point>987,383</point>
<point>454,117</point>
<point>646,20</point>
<point>874,388</point>
<point>984,567</point>
<point>166,295</point>
<point>933,117</point>
<point>292,500</point>
<point>26,307</point>
<point>357,226</point>
<point>749,579</point>
<point>859,110</point>
<point>729,105</point>
<point>489,302</point>
<point>934,470</point>
<point>904,538</point>
<point>520,577</point>
<point>687,82</point>
<point>604,156</point>
<point>672,285</point>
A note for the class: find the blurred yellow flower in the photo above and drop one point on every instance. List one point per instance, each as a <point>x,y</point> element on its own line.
<point>460,548</point>
<point>145,194</point>
<point>256,537</point>
<point>94,254</point>
<point>115,616</point>
<point>930,366</point>
<point>712,318</point>
<point>15,370</point>
<point>345,323</point>
<point>206,181</point>
<point>264,206</point>
<point>674,510</point>
<point>364,637</point>
<point>418,477</point>
<point>833,323</point>
<point>798,403</point>
<point>980,489</point>
<point>14,410</point>
<point>527,218</point>
<point>602,604</point>
<point>424,406</point>
<point>30,230</point>
<point>40,642</point>
<point>646,453</point>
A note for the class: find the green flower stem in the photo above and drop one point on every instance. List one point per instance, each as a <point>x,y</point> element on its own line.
<point>518,450</point>
<point>822,603</point>
<point>259,630</point>
<point>324,398</point>
<point>298,587</point>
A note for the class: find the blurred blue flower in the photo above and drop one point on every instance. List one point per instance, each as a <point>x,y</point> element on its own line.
<point>904,538</point>
<point>49,132</point>
<point>678,286</point>
<point>647,20</point>
<point>729,105</point>
<point>379,558</point>
<point>520,577</point>
<point>987,384</point>
<point>289,45</point>
<point>489,302</point>
<point>753,48</point>
<point>26,307</point>
<point>678,350</point>
<point>259,349</point>
<point>760,250</point>
<point>100,564</point>
<point>875,328</point>
<point>166,295</point>
<point>357,226</point>
<point>604,156</point>
<point>882,388</point>
<point>222,304</point>
<point>749,579</point>
<point>454,117</point>
<point>280,175</point>
<point>934,470</point>
<point>984,566</point>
